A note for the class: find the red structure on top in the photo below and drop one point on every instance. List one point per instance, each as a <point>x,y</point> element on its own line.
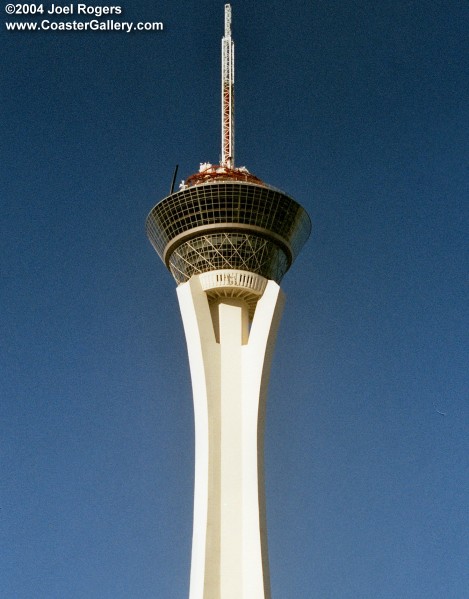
<point>211,173</point>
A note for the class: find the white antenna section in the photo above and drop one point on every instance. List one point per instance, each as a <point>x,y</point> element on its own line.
<point>227,93</point>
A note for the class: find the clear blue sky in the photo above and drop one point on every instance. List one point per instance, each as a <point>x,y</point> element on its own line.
<point>359,110</point>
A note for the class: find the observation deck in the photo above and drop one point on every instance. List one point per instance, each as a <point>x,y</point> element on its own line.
<point>220,223</point>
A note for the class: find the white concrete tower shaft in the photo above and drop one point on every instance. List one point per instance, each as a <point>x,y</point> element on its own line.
<point>229,363</point>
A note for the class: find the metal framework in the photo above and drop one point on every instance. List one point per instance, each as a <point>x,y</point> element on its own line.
<point>227,93</point>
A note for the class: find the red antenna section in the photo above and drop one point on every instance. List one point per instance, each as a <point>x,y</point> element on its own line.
<point>227,93</point>
<point>226,170</point>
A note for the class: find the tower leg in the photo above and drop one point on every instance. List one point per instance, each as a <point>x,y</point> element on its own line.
<point>229,369</point>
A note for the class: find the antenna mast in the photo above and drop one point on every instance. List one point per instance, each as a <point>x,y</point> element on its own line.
<point>227,93</point>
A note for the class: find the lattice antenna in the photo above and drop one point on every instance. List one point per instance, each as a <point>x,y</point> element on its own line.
<point>227,93</point>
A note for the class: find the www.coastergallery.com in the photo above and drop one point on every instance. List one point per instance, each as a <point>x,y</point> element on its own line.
<point>93,25</point>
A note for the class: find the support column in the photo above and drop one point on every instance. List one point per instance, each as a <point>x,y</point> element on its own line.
<point>229,370</point>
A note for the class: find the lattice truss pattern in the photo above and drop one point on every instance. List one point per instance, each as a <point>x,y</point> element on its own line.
<point>227,46</point>
<point>228,251</point>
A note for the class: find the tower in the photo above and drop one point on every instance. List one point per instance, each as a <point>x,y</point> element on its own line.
<point>228,238</point>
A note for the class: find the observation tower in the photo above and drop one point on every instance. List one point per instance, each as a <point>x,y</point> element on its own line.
<point>228,238</point>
